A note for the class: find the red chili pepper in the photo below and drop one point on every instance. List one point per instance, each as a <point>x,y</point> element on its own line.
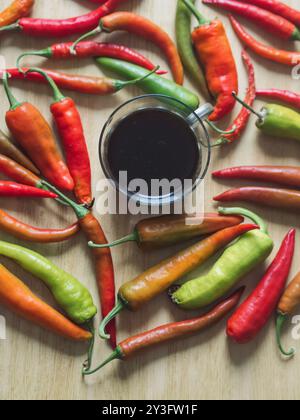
<point>63,27</point>
<point>166,333</point>
<point>70,129</point>
<point>144,28</point>
<point>284,175</point>
<point>254,313</point>
<point>241,121</point>
<point>18,173</point>
<point>92,49</point>
<point>270,22</point>
<point>279,8</point>
<point>209,39</point>
<point>34,134</point>
<point>83,84</point>
<point>13,189</point>
<point>285,96</point>
<point>289,58</point>
<point>271,197</point>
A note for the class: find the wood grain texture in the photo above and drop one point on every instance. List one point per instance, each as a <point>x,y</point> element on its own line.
<point>37,365</point>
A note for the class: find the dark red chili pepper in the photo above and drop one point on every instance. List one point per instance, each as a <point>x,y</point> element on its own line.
<point>70,129</point>
<point>83,84</point>
<point>145,28</point>
<point>279,8</point>
<point>270,22</point>
<point>63,27</point>
<point>241,121</point>
<point>285,96</point>
<point>18,173</point>
<point>166,333</point>
<point>251,317</point>
<point>91,49</point>
<point>289,58</point>
<point>13,189</point>
<point>284,175</point>
<point>34,134</point>
<point>271,197</point>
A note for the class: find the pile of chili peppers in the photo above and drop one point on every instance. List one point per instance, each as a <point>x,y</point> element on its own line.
<point>38,170</point>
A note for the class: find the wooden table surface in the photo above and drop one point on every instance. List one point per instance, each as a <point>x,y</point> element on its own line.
<point>38,365</point>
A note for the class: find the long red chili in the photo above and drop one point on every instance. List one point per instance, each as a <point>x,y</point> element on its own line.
<point>145,28</point>
<point>18,173</point>
<point>240,123</point>
<point>279,8</point>
<point>82,84</point>
<point>92,49</point>
<point>70,129</point>
<point>284,175</point>
<point>285,96</point>
<point>271,197</point>
<point>13,189</point>
<point>64,27</point>
<point>289,58</point>
<point>166,333</point>
<point>269,21</point>
<point>251,317</point>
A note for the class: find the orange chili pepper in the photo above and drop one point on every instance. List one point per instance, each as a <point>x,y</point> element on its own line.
<point>215,54</point>
<point>15,11</point>
<point>145,28</point>
<point>289,58</point>
<point>17,297</point>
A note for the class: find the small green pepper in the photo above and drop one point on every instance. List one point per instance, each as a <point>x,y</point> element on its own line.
<point>69,293</point>
<point>237,261</point>
<point>277,120</point>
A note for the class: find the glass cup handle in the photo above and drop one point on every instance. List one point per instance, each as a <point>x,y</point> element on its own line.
<point>201,113</point>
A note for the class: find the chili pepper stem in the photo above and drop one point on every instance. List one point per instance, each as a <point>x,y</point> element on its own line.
<point>201,19</point>
<point>11,27</point>
<point>116,354</point>
<point>87,364</point>
<point>94,32</point>
<point>14,103</point>
<point>57,94</point>
<point>281,318</point>
<point>122,84</point>
<point>218,130</point>
<point>41,53</point>
<point>117,309</point>
<point>260,116</point>
<point>247,213</point>
<point>132,237</point>
<point>80,210</point>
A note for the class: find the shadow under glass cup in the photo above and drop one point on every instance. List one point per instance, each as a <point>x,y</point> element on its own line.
<point>155,137</point>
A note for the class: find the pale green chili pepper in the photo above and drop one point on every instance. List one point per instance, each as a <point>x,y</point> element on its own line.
<point>237,261</point>
<point>70,294</point>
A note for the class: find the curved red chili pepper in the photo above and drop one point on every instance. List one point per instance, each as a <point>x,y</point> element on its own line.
<point>278,8</point>
<point>64,27</point>
<point>270,22</point>
<point>241,121</point>
<point>254,313</point>
<point>285,96</point>
<point>13,189</point>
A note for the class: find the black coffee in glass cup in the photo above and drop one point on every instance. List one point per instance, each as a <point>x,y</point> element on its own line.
<point>153,138</point>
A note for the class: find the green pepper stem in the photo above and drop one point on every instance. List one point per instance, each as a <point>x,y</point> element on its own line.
<point>247,213</point>
<point>218,130</point>
<point>117,309</point>
<point>132,237</point>
<point>14,103</point>
<point>201,19</point>
<point>41,53</point>
<point>57,94</point>
<point>94,32</point>
<point>250,108</point>
<point>78,209</point>
<point>281,318</point>
<point>120,84</point>
<point>116,354</point>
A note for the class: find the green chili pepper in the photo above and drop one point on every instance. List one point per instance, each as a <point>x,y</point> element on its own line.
<point>185,47</point>
<point>277,120</point>
<point>236,262</point>
<point>69,293</point>
<point>153,84</point>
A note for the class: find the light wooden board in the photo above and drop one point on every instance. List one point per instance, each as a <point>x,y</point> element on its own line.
<point>38,365</point>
